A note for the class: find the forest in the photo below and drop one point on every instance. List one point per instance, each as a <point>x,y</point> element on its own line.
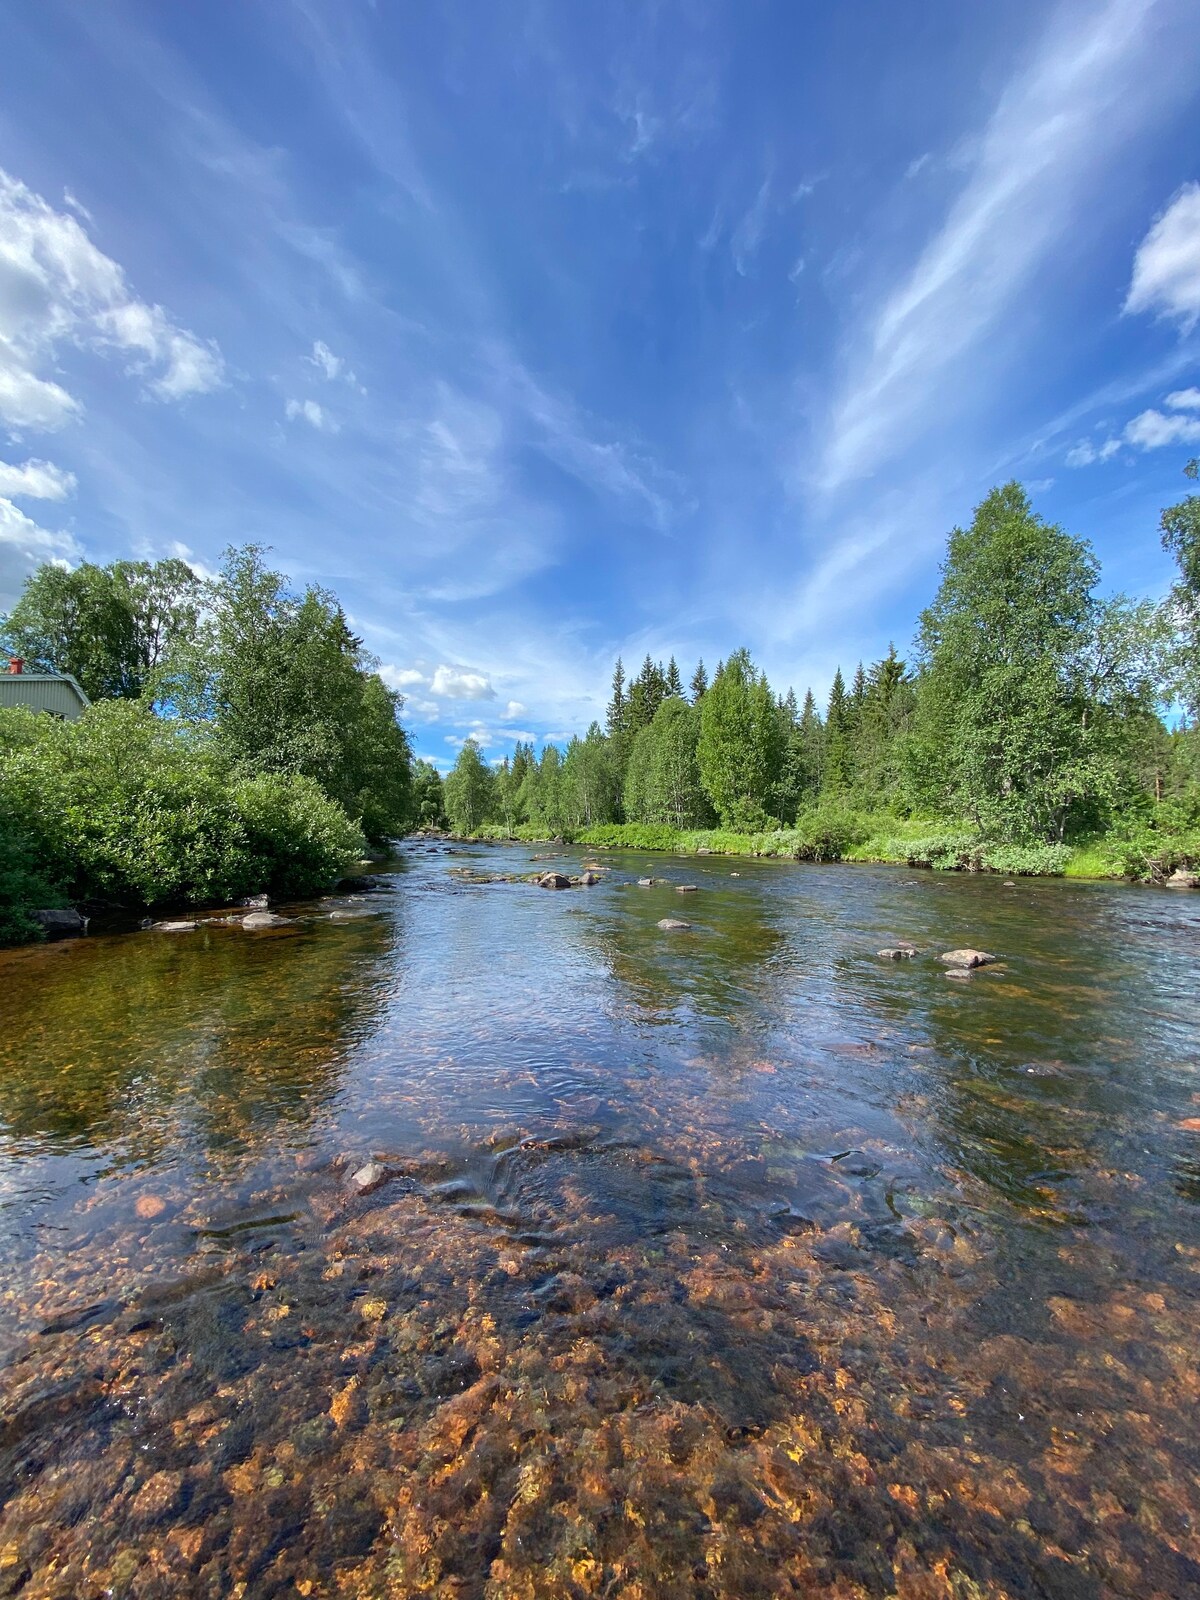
<point>1025,731</point>
<point>240,739</point>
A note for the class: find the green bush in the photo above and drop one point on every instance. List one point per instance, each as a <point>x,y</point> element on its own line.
<point>22,888</point>
<point>1027,861</point>
<point>298,839</point>
<point>127,807</point>
<point>1151,847</point>
<point>633,836</point>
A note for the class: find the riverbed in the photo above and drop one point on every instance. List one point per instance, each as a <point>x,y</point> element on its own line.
<point>729,1260</point>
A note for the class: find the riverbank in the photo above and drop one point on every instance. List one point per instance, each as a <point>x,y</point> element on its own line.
<point>1144,856</point>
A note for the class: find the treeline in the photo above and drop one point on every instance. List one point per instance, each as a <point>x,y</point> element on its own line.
<point>239,740</point>
<point>1029,713</point>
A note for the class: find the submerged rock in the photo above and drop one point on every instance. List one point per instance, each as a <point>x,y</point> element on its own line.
<point>60,924</point>
<point>174,927</point>
<point>901,952</point>
<point>668,924</point>
<point>967,958</point>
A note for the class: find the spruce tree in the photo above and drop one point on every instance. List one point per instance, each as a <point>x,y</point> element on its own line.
<point>617,706</point>
<point>699,683</point>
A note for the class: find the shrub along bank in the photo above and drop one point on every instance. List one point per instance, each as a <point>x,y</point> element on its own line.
<point>1145,852</point>
<point>124,807</point>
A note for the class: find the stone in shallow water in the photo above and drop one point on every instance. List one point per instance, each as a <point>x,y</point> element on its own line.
<point>264,919</point>
<point>900,952</point>
<point>967,958</point>
<point>670,923</point>
<point>645,883</point>
<point>369,1178</point>
<point>174,927</point>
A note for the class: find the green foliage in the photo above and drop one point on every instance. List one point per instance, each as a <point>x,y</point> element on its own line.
<point>1027,861</point>
<point>1152,845</point>
<point>662,780</point>
<point>112,628</point>
<point>1180,526</point>
<point>128,807</point>
<point>297,839</point>
<point>285,686</point>
<point>428,801</point>
<point>1011,728</point>
<point>740,743</point>
<point>469,790</point>
<point>631,836</point>
<point>590,787</point>
<point>22,888</point>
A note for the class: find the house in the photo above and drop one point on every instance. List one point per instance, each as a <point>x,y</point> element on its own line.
<point>55,693</point>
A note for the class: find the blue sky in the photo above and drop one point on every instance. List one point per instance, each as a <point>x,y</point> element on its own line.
<point>542,332</point>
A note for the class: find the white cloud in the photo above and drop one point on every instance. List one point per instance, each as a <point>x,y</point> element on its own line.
<point>188,367</point>
<point>24,546</point>
<point>312,413</point>
<point>27,401</point>
<point>1085,452</point>
<point>1166,269</point>
<point>460,683</point>
<point>57,286</point>
<point>182,552</point>
<point>36,480</point>
<point>514,708</point>
<point>1054,124</point>
<point>331,366</point>
<point>1184,400</point>
<point>324,358</point>
<point>402,677</point>
<point>748,235</point>
<point>1153,429</point>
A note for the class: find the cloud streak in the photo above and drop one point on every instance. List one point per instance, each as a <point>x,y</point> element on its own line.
<point>1053,123</point>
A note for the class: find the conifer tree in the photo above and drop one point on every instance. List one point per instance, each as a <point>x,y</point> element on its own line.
<point>699,683</point>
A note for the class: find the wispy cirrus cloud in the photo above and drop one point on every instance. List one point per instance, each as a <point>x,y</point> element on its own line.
<point>1052,126</point>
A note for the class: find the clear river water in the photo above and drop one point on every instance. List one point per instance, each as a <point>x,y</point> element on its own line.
<point>724,1261</point>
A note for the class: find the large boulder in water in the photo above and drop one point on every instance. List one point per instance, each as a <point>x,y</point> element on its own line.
<point>554,880</point>
<point>60,924</point>
<point>264,919</point>
<point>967,958</point>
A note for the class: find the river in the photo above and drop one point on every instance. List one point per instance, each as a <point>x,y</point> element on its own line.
<point>724,1261</point>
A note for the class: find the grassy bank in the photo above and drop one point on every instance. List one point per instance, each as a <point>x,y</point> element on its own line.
<point>1139,852</point>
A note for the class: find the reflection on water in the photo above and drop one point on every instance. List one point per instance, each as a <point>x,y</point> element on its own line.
<point>728,1261</point>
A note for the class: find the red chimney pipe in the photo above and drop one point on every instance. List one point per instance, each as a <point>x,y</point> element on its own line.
<point>16,665</point>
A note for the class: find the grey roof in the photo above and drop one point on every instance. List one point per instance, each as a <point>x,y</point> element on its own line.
<point>42,691</point>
